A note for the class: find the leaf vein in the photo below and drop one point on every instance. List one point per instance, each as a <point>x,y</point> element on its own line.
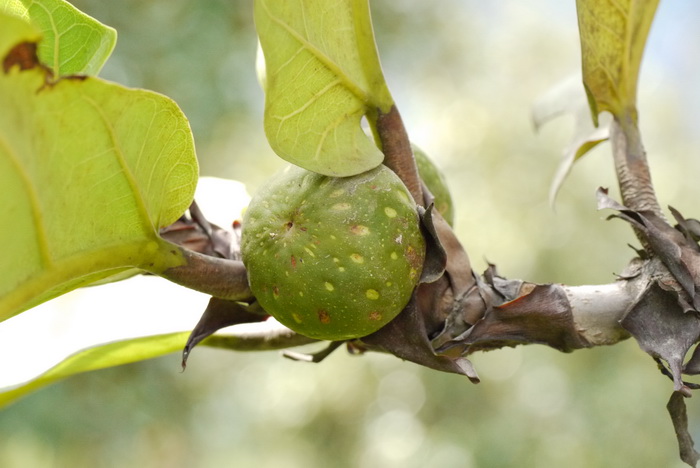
<point>37,216</point>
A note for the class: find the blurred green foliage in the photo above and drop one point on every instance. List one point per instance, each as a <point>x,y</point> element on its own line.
<point>464,74</point>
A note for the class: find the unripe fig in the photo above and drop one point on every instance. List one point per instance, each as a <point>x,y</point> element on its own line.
<point>333,258</point>
<point>435,180</point>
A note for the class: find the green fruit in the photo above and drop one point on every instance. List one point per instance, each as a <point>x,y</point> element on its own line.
<point>435,181</point>
<point>333,258</point>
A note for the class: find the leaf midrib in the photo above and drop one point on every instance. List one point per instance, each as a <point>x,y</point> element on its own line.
<point>347,82</point>
<point>126,170</point>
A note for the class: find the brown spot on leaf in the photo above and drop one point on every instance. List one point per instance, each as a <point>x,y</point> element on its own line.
<point>324,317</point>
<point>23,55</point>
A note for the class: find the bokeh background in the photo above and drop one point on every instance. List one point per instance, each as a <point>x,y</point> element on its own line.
<point>464,74</point>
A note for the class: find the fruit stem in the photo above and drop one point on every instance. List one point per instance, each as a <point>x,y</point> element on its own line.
<point>218,277</point>
<point>398,155</point>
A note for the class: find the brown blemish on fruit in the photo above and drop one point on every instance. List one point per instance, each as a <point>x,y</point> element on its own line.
<point>414,258</point>
<point>375,315</point>
<point>359,230</point>
<point>294,261</point>
<point>275,292</point>
<point>323,316</point>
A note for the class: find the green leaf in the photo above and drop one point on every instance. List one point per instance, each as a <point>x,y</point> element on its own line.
<point>89,172</point>
<point>113,324</point>
<point>73,42</point>
<point>613,34</point>
<point>95,328</point>
<point>322,76</point>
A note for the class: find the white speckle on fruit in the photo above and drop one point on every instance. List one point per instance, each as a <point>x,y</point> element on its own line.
<point>390,212</point>
<point>341,206</point>
<point>329,286</point>
<point>336,260</point>
<point>297,318</point>
<point>341,269</point>
<point>372,294</point>
<point>399,239</point>
<point>394,255</point>
<point>336,193</point>
<point>402,196</point>
<point>357,258</point>
<point>309,251</point>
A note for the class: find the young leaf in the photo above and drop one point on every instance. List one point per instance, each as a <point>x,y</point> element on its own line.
<point>613,34</point>
<point>73,42</point>
<point>568,97</point>
<point>322,76</point>
<point>89,172</point>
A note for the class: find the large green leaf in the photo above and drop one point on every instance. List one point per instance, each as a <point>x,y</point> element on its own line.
<point>113,324</point>
<point>613,34</point>
<point>322,76</point>
<point>89,172</point>
<point>73,42</point>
